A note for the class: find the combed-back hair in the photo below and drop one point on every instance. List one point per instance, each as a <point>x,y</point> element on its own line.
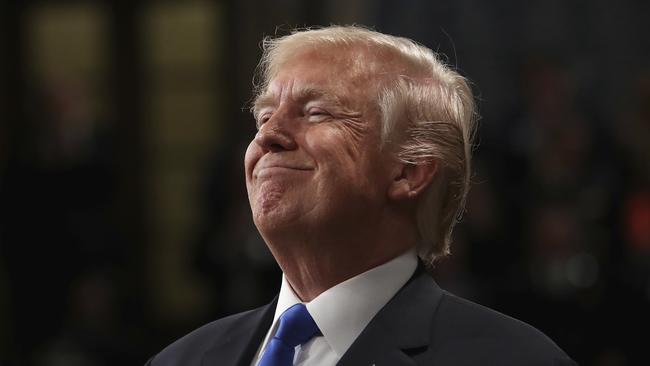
<point>427,111</point>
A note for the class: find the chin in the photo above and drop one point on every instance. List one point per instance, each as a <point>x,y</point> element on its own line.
<point>272,224</point>
<point>267,199</point>
<point>273,208</point>
<point>275,219</point>
<point>268,212</point>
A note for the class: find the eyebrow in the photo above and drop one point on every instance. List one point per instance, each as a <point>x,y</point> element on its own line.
<point>302,94</point>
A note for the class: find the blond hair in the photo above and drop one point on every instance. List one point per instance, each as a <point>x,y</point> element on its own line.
<point>427,111</point>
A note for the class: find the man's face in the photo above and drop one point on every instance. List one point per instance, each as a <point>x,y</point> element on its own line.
<point>316,161</point>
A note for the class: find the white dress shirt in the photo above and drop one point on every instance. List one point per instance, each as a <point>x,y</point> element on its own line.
<point>343,311</point>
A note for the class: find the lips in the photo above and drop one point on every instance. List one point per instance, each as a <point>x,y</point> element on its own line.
<point>264,168</point>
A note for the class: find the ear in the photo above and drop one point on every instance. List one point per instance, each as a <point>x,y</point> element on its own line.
<point>409,180</point>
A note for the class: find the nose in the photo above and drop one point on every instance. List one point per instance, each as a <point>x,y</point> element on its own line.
<point>275,136</point>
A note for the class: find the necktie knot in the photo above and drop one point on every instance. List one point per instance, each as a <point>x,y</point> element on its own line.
<point>296,327</point>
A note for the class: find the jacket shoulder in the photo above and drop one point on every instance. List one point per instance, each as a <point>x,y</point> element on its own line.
<point>470,333</point>
<point>189,349</point>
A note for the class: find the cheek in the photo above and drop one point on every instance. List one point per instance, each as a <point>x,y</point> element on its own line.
<point>253,154</point>
<point>332,146</point>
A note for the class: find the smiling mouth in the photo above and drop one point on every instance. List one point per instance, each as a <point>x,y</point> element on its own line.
<point>267,170</point>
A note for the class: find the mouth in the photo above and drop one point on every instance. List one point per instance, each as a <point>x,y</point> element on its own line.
<point>278,169</point>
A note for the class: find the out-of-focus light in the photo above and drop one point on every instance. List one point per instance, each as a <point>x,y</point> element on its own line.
<point>582,270</point>
<point>637,221</point>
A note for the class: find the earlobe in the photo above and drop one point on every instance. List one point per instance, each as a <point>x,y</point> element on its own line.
<point>410,180</point>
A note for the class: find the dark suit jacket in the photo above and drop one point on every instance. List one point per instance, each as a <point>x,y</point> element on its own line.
<point>421,325</point>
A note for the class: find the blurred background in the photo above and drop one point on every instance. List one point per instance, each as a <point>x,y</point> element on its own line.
<point>124,222</point>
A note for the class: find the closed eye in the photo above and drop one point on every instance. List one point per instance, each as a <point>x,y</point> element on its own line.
<point>315,114</point>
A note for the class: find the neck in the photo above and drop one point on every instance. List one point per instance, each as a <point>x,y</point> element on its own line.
<point>316,263</point>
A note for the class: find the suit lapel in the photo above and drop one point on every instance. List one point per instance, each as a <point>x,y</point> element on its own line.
<point>402,329</point>
<point>240,345</point>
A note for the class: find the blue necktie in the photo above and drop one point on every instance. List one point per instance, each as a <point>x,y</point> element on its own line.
<point>296,327</point>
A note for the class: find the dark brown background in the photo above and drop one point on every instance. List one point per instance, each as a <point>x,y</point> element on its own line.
<point>123,217</point>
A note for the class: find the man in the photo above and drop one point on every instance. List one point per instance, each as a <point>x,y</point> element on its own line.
<point>361,163</point>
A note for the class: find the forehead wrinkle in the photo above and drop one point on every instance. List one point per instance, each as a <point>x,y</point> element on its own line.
<point>307,93</point>
<point>269,97</point>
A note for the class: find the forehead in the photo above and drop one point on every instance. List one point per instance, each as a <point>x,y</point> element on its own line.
<point>323,73</point>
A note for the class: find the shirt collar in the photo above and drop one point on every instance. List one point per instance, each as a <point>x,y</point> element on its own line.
<point>343,311</point>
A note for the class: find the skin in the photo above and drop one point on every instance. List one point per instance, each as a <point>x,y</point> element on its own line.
<point>328,200</point>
